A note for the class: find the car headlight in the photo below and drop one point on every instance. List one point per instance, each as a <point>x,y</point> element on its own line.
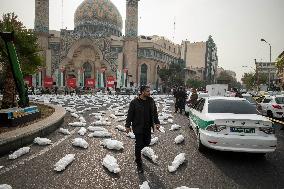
<point>216,128</point>
<point>267,130</point>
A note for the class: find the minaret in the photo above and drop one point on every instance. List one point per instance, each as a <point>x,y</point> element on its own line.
<point>130,42</point>
<point>41,16</point>
<point>131,22</point>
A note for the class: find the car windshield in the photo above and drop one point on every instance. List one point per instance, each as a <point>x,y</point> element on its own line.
<point>231,106</point>
<point>250,99</point>
<point>279,100</point>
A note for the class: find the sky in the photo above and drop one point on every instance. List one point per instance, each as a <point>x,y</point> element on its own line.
<point>235,25</point>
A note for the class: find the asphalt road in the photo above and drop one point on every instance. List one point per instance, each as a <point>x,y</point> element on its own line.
<point>211,169</point>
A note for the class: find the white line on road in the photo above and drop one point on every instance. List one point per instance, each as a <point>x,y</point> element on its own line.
<point>38,154</point>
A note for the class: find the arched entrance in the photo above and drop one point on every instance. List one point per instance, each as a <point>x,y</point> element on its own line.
<point>87,70</point>
<point>143,74</point>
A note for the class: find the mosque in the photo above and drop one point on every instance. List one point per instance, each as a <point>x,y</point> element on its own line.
<point>96,53</point>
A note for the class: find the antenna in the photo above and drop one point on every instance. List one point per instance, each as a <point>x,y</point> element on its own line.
<point>174,28</point>
<point>61,14</point>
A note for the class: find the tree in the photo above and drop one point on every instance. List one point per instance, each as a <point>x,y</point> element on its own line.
<point>225,78</point>
<point>27,52</point>
<point>174,75</point>
<point>194,83</point>
<point>211,60</point>
<point>251,80</point>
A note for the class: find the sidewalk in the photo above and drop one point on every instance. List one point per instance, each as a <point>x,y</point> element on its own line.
<point>12,140</point>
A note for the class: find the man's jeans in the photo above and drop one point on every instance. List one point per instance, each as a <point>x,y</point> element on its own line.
<point>141,141</point>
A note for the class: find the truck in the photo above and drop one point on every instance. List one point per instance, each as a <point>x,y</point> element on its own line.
<point>217,89</point>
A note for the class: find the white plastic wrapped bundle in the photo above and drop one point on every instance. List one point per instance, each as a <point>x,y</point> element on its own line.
<point>149,152</point>
<point>170,120</point>
<point>112,116</point>
<point>131,135</point>
<point>162,122</point>
<point>5,186</point>
<point>154,141</point>
<point>100,134</point>
<point>101,123</point>
<point>82,131</point>
<point>77,124</point>
<point>69,109</point>
<point>112,144</point>
<point>162,129</point>
<point>185,187</point>
<point>92,129</point>
<point>120,128</point>
<point>82,119</point>
<point>179,159</point>
<point>175,127</point>
<point>64,131</point>
<point>79,142</point>
<point>19,152</point>
<point>63,162</point>
<point>144,185</point>
<point>111,164</point>
<point>75,115</point>
<point>42,141</point>
<point>179,139</point>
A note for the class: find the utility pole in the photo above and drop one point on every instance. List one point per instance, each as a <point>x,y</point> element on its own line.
<point>257,75</point>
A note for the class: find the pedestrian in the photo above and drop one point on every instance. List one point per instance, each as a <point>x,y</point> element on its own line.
<point>193,97</point>
<point>237,93</point>
<point>55,90</point>
<point>66,90</point>
<point>142,115</point>
<point>33,90</point>
<point>180,96</point>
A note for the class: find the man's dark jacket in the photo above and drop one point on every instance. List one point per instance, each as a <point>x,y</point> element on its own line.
<point>136,115</point>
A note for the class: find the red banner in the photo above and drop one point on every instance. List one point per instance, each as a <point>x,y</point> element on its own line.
<point>71,82</point>
<point>48,82</point>
<point>28,80</point>
<point>90,83</point>
<point>110,81</point>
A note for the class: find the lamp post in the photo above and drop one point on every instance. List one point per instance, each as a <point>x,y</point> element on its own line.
<point>269,61</point>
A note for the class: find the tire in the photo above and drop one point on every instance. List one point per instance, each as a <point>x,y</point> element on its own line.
<point>186,114</point>
<point>269,114</point>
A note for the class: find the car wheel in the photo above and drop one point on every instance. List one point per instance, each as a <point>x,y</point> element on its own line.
<point>200,146</point>
<point>269,114</point>
<point>186,114</point>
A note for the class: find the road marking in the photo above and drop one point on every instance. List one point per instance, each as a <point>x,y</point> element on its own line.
<point>36,155</point>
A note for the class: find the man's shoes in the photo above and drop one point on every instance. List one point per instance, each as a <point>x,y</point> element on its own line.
<point>140,169</point>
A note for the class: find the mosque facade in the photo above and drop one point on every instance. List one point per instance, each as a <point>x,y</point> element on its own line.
<point>95,53</point>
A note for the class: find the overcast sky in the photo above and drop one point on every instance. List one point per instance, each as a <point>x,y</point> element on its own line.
<point>236,25</point>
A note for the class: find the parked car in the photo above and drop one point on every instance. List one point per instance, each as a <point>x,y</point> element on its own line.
<point>231,124</point>
<point>273,106</point>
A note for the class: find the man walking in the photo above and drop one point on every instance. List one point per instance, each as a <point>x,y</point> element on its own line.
<point>142,115</point>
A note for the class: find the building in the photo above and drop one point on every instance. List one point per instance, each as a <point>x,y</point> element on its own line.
<point>201,62</point>
<point>268,69</point>
<point>96,53</point>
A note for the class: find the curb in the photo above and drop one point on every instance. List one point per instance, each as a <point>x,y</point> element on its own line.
<point>13,140</point>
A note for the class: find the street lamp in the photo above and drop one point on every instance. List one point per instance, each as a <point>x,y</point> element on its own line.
<point>269,61</point>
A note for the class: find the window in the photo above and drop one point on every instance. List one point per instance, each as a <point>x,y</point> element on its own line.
<point>231,106</point>
<point>266,100</point>
<point>200,105</point>
<point>143,74</point>
<point>279,100</point>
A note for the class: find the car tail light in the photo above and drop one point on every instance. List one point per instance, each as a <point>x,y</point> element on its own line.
<point>276,106</point>
<point>216,128</point>
<point>267,130</point>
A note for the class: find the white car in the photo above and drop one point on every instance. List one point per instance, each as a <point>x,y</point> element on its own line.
<point>231,124</point>
<point>273,106</point>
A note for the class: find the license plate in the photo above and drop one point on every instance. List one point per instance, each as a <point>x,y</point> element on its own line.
<point>242,130</point>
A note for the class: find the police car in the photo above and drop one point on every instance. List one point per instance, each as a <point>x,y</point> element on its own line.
<point>231,124</point>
